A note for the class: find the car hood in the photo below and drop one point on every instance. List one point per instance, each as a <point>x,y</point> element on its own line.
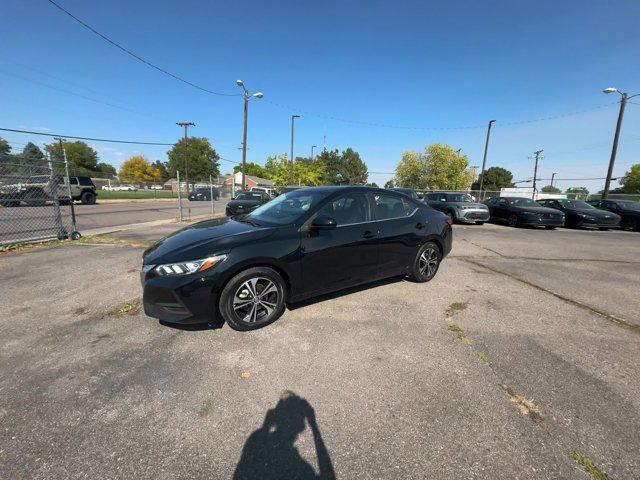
<point>593,213</point>
<point>243,203</point>
<point>203,239</point>
<point>538,210</point>
<point>467,204</point>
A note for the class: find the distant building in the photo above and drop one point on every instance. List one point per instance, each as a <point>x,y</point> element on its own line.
<point>251,181</point>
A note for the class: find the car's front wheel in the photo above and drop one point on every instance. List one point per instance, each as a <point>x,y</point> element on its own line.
<point>253,298</point>
<point>88,198</point>
<point>513,220</point>
<point>426,263</point>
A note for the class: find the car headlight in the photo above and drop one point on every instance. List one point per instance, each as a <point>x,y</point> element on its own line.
<point>530,213</point>
<point>585,217</point>
<point>186,268</point>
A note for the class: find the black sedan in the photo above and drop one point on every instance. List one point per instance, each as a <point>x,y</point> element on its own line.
<point>628,210</point>
<point>204,194</point>
<point>520,211</point>
<point>302,244</point>
<point>246,202</point>
<point>579,214</point>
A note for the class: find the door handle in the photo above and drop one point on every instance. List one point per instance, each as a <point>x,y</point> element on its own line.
<point>420,225</point>
<point>368,235</point>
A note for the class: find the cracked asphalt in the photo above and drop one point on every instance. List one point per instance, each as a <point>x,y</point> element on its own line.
<point>392,380</point>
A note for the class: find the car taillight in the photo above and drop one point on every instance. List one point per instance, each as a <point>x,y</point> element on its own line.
<point>449,222</point>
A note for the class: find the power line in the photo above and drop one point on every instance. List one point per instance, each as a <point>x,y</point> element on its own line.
<point>132,142</point>
<point>138,57</point>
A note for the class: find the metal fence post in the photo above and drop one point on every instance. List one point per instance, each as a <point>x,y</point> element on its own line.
<point>211,193</point>
<point>53,187</point>
<point>75,235</point>
<point>179,197</point>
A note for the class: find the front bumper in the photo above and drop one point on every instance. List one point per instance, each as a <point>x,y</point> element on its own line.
<point>180,299</point>
<point>232,212</point>
<point>473,215</point>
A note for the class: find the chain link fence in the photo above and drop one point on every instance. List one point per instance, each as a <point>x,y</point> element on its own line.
<point>35,200</point>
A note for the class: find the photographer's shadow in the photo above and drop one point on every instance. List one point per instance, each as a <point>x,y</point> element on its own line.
<point>270,453</point>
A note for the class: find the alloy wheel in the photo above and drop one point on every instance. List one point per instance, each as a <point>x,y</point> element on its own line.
<point>255,300</point>
<point>428,262</point>
<point>513,220</point>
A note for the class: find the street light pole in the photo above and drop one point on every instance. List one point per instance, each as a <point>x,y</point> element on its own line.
<point>623,103</point>
<point>293,117</point>
<point>553,175</point>
<point>484,158</point>
<point>246,96</point>
<point>186,125</point>
<point>312,147</point>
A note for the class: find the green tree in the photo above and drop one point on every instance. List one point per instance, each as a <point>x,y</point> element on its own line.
<point>138,170</point>
<point>107,168</point>
<point>439,167</point>
<point>550,189</point>
<point>278,169</point>
<point>631,180</point>
<point>162,168</point>
<point>578,190</point>
<point>389,184</point>
<point>495,178</point>
<point>252,169</point>
<point>201,156</point>
<point>5,148</point>
<point>330,160</point>
<point>81,157</point>
<point>373,184</point>
<point>352,171</point>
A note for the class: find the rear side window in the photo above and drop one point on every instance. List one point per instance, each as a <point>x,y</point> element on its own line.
<point>390,206</point>
<point>85,181</point>
<point>73,180</point>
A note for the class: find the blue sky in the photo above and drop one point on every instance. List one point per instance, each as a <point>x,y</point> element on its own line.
<point>433,65</point>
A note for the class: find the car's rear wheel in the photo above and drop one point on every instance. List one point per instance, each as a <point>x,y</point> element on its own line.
<point>253,298</point>
<point>88,198</point>
<point>479,223</point>
<point>549,227</point>
<point>426,263</point>
<point>513,220</point>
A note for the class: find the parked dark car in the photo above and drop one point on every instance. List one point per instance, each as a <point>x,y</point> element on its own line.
<point>406,191</point>
<point>520,211</point>
<point>460,207</point>
<point>246,202</point>
<point>628,210</point>
<point>302,244</point>
<point>204,193</point>
<point>579,214</point>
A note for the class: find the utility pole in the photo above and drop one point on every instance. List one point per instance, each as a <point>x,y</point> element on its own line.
<point>75,235</point>
<point>293,117</point>
<point>553,175</point>
<point>246,95</point>
<point>484,158</point>
<point>535,173</point>
<point>186,126</point>
<point>614,150</point>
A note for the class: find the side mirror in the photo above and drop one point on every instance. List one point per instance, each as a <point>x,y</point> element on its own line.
<point>323,223</point>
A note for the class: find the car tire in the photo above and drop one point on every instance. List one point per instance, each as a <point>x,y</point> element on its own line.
<point>35,198</point>
<point>549,227</point>
<point>10,203</point>
<point>512,221</point>
<point>88,198</point>
<point>479,223</point>
<point>238,307</point>
<point>426,264</point>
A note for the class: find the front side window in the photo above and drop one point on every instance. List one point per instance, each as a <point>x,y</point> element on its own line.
<point>348,209</point>
<point>459,197</point>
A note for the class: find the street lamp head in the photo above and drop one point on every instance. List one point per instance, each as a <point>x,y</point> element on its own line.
<point>258,95</point>
<point>240,83</point>
<point>610,90</point>
<point>295,116</point>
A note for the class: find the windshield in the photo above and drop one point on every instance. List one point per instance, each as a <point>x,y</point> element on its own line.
<point>287,208</point>
<point>577,204</point>
<point>459,197</point>
<point>629,205</point>
<point>248,196</point>
<point>522,202</point>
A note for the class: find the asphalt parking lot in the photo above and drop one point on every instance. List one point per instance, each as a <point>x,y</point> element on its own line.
<point>519,360</point>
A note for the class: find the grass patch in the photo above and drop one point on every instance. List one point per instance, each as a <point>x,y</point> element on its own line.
<point>20,247</point>
<point>460,334</point>
<point>130,307</point>
<point>526,407</point>
<point>481,356</point>
<point>589,467</point>
<point>455,308</point>
<point>106,240</point>
<point>107,195</point>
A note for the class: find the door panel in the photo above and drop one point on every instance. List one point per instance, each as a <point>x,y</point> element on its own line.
<point>346,255</point>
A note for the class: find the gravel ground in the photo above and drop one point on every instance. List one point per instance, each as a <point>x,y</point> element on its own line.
<point>519,356</point>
